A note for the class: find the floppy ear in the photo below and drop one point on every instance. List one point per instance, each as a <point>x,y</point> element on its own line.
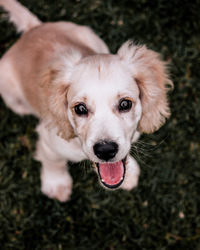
<point>153,81</point>
<point>55,88</point>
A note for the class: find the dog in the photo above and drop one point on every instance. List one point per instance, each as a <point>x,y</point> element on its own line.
<point>91,104</point>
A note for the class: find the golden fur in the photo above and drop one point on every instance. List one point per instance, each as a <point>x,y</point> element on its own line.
<point>150,73</point>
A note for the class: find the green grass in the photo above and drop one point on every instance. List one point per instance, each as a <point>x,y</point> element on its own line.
<point>163,213</point>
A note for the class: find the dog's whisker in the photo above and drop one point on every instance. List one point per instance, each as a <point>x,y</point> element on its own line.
<point>137,156</point>
<point>140,151</point>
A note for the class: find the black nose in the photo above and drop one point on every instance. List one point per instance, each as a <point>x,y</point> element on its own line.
<point>105,150</point>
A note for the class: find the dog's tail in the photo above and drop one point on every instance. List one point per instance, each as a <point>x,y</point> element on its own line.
<point>22,18</point>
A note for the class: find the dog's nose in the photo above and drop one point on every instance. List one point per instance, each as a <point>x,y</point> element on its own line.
<point>105,150</point>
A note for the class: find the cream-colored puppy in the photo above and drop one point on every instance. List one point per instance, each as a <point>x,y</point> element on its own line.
<point>91,104</point>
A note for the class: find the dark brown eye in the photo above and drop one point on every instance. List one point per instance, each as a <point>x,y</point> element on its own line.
<point>81,109</point>
<point>124,105</point>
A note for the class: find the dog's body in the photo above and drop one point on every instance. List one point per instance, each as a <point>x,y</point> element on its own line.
<point>91,104</point>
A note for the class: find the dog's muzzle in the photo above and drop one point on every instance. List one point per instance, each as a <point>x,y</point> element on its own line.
<point>111,174</point>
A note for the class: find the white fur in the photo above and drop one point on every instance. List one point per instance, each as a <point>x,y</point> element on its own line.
<point>132,174</point>
<point>101,90</point>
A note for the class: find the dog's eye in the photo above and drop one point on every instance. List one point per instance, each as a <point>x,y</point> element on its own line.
<point>124,105</point>
<point>81,109</point>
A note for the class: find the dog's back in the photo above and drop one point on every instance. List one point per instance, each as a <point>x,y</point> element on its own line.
<point>27,61</point>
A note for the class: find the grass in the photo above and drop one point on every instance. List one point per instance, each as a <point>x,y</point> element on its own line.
<point>163,213</point>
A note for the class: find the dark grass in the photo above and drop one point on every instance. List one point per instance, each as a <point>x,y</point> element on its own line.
<point>164,211</point>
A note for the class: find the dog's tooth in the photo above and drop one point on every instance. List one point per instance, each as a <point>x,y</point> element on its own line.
<point>121,178</point>
<point>102,180</point>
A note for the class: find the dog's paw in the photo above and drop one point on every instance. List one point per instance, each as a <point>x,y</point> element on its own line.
<point>57,186</point>
<point>132,175</point>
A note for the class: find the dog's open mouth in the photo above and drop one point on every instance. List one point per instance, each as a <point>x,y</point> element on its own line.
<point>111,174</point>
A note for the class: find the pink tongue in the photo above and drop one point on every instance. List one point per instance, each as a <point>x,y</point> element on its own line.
<point>111,173</point>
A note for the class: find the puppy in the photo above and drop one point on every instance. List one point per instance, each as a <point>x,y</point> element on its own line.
<point>91,104</point>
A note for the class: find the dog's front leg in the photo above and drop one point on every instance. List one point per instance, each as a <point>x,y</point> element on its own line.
<point>132,174</point>
<point>56,182</point>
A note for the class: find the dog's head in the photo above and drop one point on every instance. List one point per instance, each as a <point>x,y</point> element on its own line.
<point>106,100</point>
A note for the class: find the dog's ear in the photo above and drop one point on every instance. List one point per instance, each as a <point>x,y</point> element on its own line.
<point>150,73</point>
<point>55,88</point>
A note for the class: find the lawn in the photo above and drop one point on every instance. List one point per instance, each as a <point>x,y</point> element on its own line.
<point>163,212</point>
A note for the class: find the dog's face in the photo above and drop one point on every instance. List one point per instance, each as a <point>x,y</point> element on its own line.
<point>104,109</point>
<point>105,100</point>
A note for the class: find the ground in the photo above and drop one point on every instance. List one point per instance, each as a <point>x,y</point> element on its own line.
<point>163,213</point>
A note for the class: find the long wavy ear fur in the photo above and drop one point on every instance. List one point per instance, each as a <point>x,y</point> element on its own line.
<point>55,88</point>
<point>150,73</point>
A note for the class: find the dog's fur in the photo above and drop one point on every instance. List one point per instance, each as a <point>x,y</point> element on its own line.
<point>55,66</point>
